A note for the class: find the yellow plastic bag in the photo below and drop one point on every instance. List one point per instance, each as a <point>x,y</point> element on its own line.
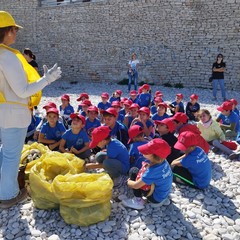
<point>41,177</point>
<point>86,216</point>
<point>83,190</point>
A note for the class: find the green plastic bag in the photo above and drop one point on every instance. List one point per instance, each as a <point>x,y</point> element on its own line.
<point>83,190</point>
<point>86,216</point>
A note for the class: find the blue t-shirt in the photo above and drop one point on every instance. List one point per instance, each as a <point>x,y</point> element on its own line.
<point>53,133</point>
<point>89,126</point>
<point>136,100</point>
<point>67,110</point>
<point>199,165</point>
<point>180,105</point>
<point>134,152</point>
<point>159,118</point>
<point>153,109</point>
<point>149,124</point>
<point>120,118</point>
<point>144,99</point>
<point>75,140</point>
<point>161,175</point>
<point>116,150</point>
<point>103,106</point>
<point>236,111</point>
<point>122,112</point>
<point>112,99</point>
<point>232,118</point>
<point>34,123</point>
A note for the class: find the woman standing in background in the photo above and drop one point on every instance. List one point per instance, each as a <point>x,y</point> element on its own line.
<point>133,72</point>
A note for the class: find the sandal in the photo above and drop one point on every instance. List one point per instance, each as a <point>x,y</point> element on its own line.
<point>4,204</point>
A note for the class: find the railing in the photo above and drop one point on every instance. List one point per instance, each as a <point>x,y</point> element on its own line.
<point>59,2</point>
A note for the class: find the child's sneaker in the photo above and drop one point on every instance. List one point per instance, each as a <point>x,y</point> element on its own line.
<point>135,203</point>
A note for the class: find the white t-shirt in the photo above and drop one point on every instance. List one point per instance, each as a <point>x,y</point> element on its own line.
<point>133,64</point>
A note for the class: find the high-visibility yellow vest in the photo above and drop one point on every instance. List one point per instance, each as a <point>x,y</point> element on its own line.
<point>32,76</point>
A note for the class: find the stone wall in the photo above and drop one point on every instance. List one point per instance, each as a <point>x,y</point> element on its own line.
<point>175,40</point>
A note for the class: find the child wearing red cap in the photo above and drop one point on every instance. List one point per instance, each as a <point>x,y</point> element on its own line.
<point>193,168</point>
<point>156,102</point>
<point>145,122</point>
<point>83,107</point>
<point>213,134</point>
<point>136,139</point>
<point>52,131</point>
<point>234,105</point>
<point>75,140</point>
<point>132,114</point>
<point>228,120</point>
<point>117,106</point>
<point>145,97</point>
<point>92,121</point>
<point>134,97</point>
<point>65,110</point>
<point>118,130</point>
<point>115,158</point>
<point>193,108</point>
<point>177,105</point>
<point>82,97</point>
<point>104,104</point>
<point>126,104</point>
<point>116,96</point>
<point>158,174</point>
<point>161,112</point>
<point>165,129</point>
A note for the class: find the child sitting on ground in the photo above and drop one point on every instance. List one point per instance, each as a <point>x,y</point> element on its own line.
<point>228,119</point>
<point>136,139</point>
<point>132,114</point>
<point>117,106</point>
<point>154,107</point>
<point>213,134</point>
<point>145,97</point>
<point>166,129</point>
<point>92,121</point>
<point>83,107</point>
<point>177,105</point>
<point>116,96</point>
<point>66,109</point>
<point>115,160</point>
<point>81,98</point>
<point>75,140</point>
<point>234,105</point>
<point>193,168</point>
<point>158,174</point>
<point>104,104</point>
<point>51,131</point>
<point>125,110</point>
<point>193,108</point>
<point>161,112</point>
<point>134,97</point>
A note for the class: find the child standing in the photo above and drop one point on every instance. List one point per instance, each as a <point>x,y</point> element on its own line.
<point>51,131</point>
<point>115,160</point>
<point>158,174</point>
<point>193,168</point>
<point>193,107</point>
<point>75,140</point>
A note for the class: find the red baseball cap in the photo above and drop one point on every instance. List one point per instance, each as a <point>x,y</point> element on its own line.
<point>230,144</point>
<point>134,105</point>
<point>116,104</point>
<point>76,115</point>
<point>53,110</point>
<point>127,102</point>
<point>180,117</point>
<point>179,95</point>
<point>156,146</point>
<point>133,93</point>
<point>83,95</point>
<point>158,99</point>
<point>167,121</point>
<point>145,86</point>
<point>85,102</point>
<point>194,96</point>
<point>133,131</point>
<point>225,106</point>
<point>145,110</point>
<point>105,95</point>
<point>92,109</point>
<point>50,105</point>
<point>185,140</point>
<point>140,90</point>
<point>99,134</point>
<point>234,101</point>
<point>158,93</point>
<point>123,99</point>
<point>111,111</point>
<point>65,97</point>
<point>163,104</point>
<point>119,92</point>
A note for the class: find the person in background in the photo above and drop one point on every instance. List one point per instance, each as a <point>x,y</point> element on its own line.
<point>157,174</point>
<point>177,105</point>
<point>193,108</point>
<point>15,91</point>
<point>51,131</point>
<point>133,65</point>
<point>114,157</point>
<point>30,57</point>
<point>218,69</point>
<point>145,97</point>
<point>194,167</point>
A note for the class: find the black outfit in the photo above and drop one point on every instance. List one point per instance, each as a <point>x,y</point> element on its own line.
<point>33,64</point>
<point>218,75</point>
<point>190,109</point>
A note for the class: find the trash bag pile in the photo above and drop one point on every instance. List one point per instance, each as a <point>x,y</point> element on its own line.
<point>58,181</point>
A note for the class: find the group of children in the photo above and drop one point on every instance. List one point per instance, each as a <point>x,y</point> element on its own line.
<point>152,141</point>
